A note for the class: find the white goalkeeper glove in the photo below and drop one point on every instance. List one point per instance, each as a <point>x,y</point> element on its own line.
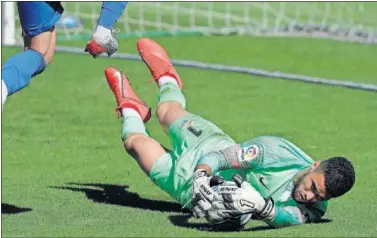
<point>241,199</point>
<point>202,193</point>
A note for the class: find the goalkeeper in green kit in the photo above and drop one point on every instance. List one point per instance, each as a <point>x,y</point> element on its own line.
<point>266,178</point>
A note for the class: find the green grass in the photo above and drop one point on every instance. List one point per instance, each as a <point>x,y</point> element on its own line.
<point>314,57</point>
<point>62,130</point>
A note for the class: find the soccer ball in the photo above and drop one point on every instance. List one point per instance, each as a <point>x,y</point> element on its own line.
<point>69,22</point>
<point>232,224</point>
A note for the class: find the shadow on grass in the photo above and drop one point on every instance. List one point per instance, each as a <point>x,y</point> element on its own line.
<point>324,220</point>
<point>12,209</point>
<point>183,221</point>
<point>118,195</point>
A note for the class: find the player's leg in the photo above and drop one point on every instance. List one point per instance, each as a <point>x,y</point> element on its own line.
<point>47,45</point>
<point>152,158</point>
<point>135,113</point>
<point>190,135</point>
<point>37,21</point>
<point>19,69</point>
<point>44,43</point>
<point>103,39</point>
<point>51,49</point>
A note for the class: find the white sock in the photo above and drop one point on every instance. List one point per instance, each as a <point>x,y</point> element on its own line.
<point>4,92</point>
<point>102,31</point>
<point>129,112</point>
<point>166,79</point>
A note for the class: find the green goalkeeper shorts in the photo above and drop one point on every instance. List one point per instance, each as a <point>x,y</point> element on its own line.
<point>191,137</point>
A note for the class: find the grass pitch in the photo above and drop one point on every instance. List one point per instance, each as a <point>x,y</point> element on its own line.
<point>65,173</point>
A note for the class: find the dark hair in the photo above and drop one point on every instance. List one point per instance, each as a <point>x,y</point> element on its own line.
<point>339,176</point>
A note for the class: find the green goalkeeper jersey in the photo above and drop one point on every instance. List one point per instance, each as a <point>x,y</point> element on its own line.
<point>270,164</point>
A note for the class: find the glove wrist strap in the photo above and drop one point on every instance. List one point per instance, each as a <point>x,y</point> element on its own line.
<point>200,173</point>
<point>268,211</point>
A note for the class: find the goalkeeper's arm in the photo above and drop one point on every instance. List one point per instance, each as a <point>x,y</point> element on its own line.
<point>245,155</point>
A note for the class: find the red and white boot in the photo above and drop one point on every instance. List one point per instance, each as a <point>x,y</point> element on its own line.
<point>157,60</point>
<point>124,94</point>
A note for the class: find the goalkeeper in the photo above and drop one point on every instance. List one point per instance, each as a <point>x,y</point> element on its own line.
<point>282,185</point>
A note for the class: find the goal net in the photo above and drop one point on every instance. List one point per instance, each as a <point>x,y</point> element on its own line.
<point>352,21</point>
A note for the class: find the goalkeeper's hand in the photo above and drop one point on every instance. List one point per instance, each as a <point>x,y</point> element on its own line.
<point>202,193</point>
<point>242,199</point>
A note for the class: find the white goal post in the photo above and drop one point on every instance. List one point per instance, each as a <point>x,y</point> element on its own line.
<point>353,21</point>
<point>8,25</point>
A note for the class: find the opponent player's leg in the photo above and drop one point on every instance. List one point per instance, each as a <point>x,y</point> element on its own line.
<point>103,39</point>
<point>37,21</point>
<point>51,49</point>
<point>135,113</point>
<point>171,101</point>
<point>44,43</point>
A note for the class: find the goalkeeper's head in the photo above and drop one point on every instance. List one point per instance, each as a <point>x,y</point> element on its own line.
<point>326,179</point>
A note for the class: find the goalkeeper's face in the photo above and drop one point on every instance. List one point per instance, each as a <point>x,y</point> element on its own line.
<point>310,187</point>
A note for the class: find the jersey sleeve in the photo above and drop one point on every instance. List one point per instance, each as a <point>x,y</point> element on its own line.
<point>270,152</point>
<point>261,153</point>
<point>246,155</point>
<point>297,215</point>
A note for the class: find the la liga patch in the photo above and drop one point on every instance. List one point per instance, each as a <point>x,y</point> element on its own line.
<point>248,157</point>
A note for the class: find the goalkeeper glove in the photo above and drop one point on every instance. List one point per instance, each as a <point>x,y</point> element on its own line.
<point>243,199</point>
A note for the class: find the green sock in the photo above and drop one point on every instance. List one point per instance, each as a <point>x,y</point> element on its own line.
<point>170,92</point>
<point>132,124</point>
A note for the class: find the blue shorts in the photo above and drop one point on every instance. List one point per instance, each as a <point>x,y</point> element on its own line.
<point>38,17</point>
